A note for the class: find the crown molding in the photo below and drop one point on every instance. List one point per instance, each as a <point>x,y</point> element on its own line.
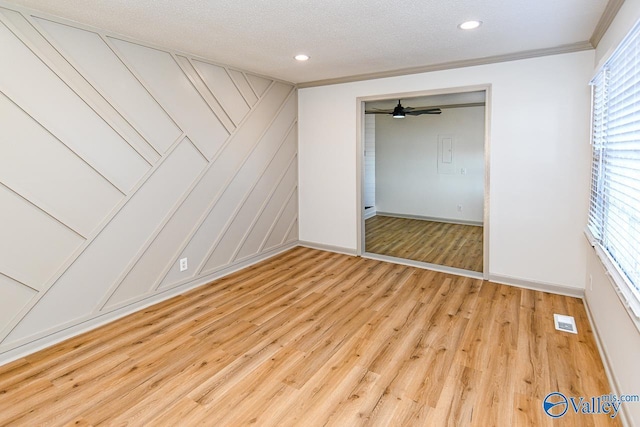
<point>567,48</point>
<point>607,17</point>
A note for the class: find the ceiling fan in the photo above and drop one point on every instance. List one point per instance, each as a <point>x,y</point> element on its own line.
<point>399,112</point>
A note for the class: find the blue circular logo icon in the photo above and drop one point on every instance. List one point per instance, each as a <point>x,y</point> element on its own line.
<point>555,404</point>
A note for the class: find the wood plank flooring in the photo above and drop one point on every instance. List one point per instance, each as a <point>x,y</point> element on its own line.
<point>312,338</point>
<point>452,245</point>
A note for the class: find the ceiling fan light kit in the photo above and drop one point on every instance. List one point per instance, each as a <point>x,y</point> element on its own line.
<point>398,112</point>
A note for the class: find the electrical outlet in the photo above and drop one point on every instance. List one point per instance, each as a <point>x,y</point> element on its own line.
<point>590,282</point>
<point>459,208</point>
<point>183,264</point>
<point>463,171</point>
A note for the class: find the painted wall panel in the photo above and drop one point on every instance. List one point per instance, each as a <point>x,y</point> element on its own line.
<point>281,228</point>
<point>254,207</point>
<point>293,233</point>
<point>261,119</point>
<point>51,56</point>
<point>259,233</point>
<point>34,245</point>
<point>26,166</point>
<point>112,251</point>
<point>162,252</point>
<point>28,82</point>
<point>89,226</point>
<point>224,90</point>
<point>265,174</point>
<point>244,86</point>
<point>173,90</point>
<point>259,84</point>
<point>14,297</point>
<point>205,92</point>
<point>177,233</point>
<point>100,65</point>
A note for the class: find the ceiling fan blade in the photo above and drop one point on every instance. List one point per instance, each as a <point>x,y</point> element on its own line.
<point>377,112</point>
<point>424,111</point>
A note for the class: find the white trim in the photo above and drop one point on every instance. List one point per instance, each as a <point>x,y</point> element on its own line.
<point>538,286</point>
<point>429,218</point>
<point>606,362</point>
<point>360,144</point>
<point>590,237</point>
<point>486,237</point>
<point>424,265</point>
<point>46,341</point>
<point>370,213</point>
<point>328,248</point>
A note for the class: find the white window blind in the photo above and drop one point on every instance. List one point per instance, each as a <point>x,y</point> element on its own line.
<point>614,214</point>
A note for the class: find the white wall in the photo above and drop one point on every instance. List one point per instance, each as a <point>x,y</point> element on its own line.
<point>409,180</point>
<point>539,158</point>
<point>118,159</point>
<point>370,160</point>
<point>618,332</point>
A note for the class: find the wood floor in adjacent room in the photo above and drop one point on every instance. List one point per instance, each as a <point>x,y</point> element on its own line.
<point>452,245</point>
<point>313,338</point>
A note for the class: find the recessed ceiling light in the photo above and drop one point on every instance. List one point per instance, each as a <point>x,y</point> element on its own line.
<point>301,57</point>
<point>470,25</point>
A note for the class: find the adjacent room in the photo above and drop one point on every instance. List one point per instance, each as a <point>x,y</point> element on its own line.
<point>267,213</point>
<point>424,180</point>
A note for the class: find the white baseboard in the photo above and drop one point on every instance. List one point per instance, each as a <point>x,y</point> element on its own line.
<point>329,248</point>
<point>608,369</point>
<point>538,286</point>
<point>429,218</point>
<point>87,325</point>
<point>369,213</point>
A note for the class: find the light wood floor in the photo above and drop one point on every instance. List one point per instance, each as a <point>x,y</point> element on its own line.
<point>452,245</point>
<point>313,338</point>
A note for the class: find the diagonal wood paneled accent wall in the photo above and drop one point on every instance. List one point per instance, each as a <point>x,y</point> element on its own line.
<point>116,161</point>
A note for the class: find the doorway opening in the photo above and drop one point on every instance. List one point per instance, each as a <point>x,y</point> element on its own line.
<point>423,191</point>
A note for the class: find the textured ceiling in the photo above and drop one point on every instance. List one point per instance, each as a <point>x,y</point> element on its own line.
<point>343,37</point>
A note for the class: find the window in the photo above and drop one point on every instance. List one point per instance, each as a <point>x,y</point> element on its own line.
<point>614,214</point>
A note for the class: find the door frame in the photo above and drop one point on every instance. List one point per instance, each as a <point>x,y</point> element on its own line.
<point>360,135</point>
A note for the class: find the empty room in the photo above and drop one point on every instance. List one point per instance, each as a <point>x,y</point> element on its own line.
<point>296,213</point>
